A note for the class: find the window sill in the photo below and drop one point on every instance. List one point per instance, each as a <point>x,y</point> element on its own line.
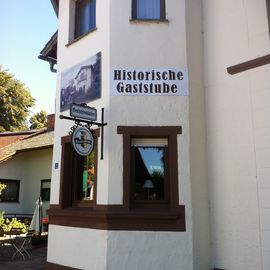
<point>80,37</point>
<point>149,20</point>
<point>116,217</point>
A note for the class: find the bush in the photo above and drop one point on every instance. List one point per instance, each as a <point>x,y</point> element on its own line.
<point>6,225</point>
<point>13,224</point>
<point>2,219</point>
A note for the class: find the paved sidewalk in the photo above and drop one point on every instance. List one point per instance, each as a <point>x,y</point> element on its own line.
<point>37,260</point>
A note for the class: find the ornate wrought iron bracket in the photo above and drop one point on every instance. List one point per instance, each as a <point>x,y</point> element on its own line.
<point>78,122</point>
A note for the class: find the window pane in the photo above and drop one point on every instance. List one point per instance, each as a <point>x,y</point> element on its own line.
<point>45,190</point>
<point>45,184</point>
<point>86,177</point>
<point>148,9</point>
<point>45,194</point>
<point>11,192</point>
<point>149,172</point>
<point>85,16</point>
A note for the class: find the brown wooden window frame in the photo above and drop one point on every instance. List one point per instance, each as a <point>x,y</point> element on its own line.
<point>69,169</point>
<point>124,217</point>
<point>168,132</point>
<point>140,203</point>
<point>162,12</point>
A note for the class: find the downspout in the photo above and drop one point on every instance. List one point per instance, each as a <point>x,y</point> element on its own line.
<point>51,61</point>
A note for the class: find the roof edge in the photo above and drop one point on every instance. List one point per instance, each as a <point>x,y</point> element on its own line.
<point>5,158</point>
<point>55,4</point>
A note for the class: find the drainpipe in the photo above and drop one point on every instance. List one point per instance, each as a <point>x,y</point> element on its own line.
<point>51,61</point>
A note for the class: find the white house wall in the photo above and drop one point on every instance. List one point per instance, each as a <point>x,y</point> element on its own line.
<point>125,44</point>
<point>235,109</point>
<point>38,166</point>
<point>68,56</point>
<point>30,168</point>
<point>149,250</point>
<point>12,169</point>
<point>147,45</point>
<point>237,113</point>
<point>73,247</point>
<point>198,156</point>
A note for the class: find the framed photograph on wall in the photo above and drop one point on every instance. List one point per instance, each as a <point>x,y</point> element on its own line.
<point>81,83</point>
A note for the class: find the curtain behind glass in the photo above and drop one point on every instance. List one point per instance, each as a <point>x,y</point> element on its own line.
<point>86,20</point>
<point>148,9</point>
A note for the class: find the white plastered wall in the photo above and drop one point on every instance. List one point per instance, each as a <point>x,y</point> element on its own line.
<point>68,56</point>
<point>198,156</point>
<point>29,167</point>
<point>149,45</point>
<point>126,44</point>
<point>77,247</point>
<point>237,113</point>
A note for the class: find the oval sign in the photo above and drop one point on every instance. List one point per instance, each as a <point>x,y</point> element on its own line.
<point>83,141</point>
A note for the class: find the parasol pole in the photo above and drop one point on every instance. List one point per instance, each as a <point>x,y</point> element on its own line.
<point>39,215</point>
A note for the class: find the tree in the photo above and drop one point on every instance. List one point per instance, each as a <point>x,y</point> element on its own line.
<point>15,101</point>
<point>38,120</point>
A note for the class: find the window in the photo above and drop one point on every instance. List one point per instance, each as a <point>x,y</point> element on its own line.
<point>85,17</point>
<point>150,167</point>
<point>150,185</point>
<point>148,9</point>
<point>84,177</point>
<point>11,192</point>
<point>45,189</point>
<point>78,177</point>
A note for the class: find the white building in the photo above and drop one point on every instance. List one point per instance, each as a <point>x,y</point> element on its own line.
<point>181,180</point>
<point>25,169</point>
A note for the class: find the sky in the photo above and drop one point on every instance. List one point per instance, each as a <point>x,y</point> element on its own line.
<point>25,28</point>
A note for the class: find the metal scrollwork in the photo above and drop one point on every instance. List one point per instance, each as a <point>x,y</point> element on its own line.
<point>88,125</point>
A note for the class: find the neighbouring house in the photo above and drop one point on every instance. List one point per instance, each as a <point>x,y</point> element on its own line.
<point>11,137</point>
<point>180,174</point>
<point>25,169</point>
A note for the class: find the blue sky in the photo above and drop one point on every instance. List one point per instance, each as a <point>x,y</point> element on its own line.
<point>25,28</point>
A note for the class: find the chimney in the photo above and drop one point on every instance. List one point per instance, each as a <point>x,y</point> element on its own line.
<point>50,122</point>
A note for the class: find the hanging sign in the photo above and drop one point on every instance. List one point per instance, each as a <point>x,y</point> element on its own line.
<point>83,112</point>
<point>82,137</point>
<point>83,141</point>
<point>149,82</point>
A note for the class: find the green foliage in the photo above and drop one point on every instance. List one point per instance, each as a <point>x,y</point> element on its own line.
<point>2,187</point>
<point>8,225</point>
<point>15,101</point>
<point>2,219</point>
<point>38,120</point>
<point>91,166</point>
